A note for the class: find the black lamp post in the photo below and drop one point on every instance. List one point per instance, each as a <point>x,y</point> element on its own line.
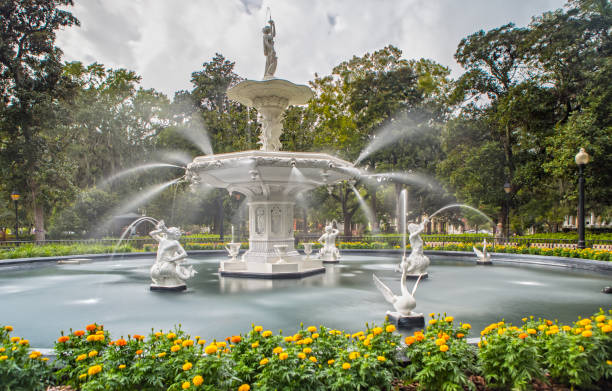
<point>15,197</point>
<point>582,158</point>
<point>507,189</point>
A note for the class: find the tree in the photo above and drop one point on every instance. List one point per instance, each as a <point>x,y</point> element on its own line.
<point>31,86</point>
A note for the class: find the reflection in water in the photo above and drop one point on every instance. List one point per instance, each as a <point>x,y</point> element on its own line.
<point>115,293</point>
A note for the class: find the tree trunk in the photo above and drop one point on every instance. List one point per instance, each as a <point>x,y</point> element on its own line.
<point>375,227</point>
<point>39,215</point>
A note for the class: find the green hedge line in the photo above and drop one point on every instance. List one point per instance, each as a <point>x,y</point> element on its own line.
<point>54,250</point>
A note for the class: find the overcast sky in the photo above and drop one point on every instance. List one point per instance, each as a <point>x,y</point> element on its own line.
<point>164,41</point>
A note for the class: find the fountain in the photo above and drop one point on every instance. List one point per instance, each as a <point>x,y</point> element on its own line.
<point>415,265</point>
<point>270,179</point>
<point>483,257</point>
<point>329,252</point>
<point>168,272</point>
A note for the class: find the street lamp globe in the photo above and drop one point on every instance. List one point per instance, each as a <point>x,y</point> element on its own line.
<point>582,157</point>
<point>15,195</point>
<point>507,187</point>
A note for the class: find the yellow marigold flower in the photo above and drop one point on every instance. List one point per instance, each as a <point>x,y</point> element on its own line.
<point>433,321</point>
<point>93,353</point>
<point>15,339</point>
<point>381,358</point>
<point>8,328</point>
<point>255,344</point>
<point>307,340</point>
<point>367,342</point>
<point>377,330</point>
<point>606,329</point>
<point>346,366</point>
<point>2,350</point>
<point>211,349</point>
<point>81,357</point>
<point>432,315</point>
<point>354,355</point>
<point>587,333</point>
<point>584,322</point>
<point>315,336</point>
<point>307,350</point>
<point>2,358</point>
<point>609,362</point>
<point>288,339</point>
<point>440,341</point>
<point>197,380</point>
<point>301,355</point>
<point>330,362</point>
<point>94,370</point>
<point>390,328</point>
<point>312,358</point>
<point>175,348</point>
<point>283,356</point>
<point>35,354</point>
<point>443,348</point>
<point>542,327</point>
<point>600,318</point>
<point>266,333</point>
<point>466,326</point>
<point>122,366</point>
<point>258,329</point>
<point>82,376</point>
<point>185,385</point>
<point>170,335</point>
<point>578,331</point>
<point>524,319</point>
<point>99,332</point>
<point>566,328</point>
<point>187,366</point>
<point>531,331</point>
<point>588,327</point>
<point>312,329</point>
<point>44,359</point>
<point>187,342</point>
<point>244,387</point>
<point>264,361</point>
<point>162,354</point>
<point>158,334</point>
<point>581,348</point>
<point>277,350</point>
<point>449,319</point>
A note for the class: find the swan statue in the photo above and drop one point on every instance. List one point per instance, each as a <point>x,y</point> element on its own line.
<point>483,256</point>
<point>403,304</point>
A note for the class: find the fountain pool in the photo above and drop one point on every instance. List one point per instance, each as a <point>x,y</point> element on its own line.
<point>41,300</point>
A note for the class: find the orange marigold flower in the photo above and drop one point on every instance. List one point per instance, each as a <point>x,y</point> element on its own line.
<point>8,328</point>
<point>587,333</point>
<point>185,385</point>
<point>283,356</point>
<point>79,333</point>
<point>63,339</point>
<point>120,342</point>
<point>139,351</point>
<point>330,362</point>
<point>197,380</point>
<point>410,340</point>
<point>187,366</point>
<point>175,348</point>
<point>236,339</point>
<point>460,335</point>
<point>522,336</point>
<point>264,361</point>
<point>258,329</point>
<point>91,327</point>
<point>390,328</point>
<point>244,387</point>
<point>606,329</point>
<point>24,342</point>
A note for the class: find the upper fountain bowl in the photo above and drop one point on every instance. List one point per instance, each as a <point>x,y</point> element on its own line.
<point>249,92</point>
<point>269,175</point>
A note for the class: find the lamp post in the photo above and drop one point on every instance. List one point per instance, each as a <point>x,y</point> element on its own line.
<point>582,158</point>
<point>15,197</point>
<point>507,189</point>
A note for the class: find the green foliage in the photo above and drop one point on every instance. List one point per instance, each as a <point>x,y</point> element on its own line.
<point>54,250</point>
<point>21,369</point>
<point>440,358</point>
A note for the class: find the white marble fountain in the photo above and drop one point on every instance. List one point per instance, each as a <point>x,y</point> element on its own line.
<point>270,178</point>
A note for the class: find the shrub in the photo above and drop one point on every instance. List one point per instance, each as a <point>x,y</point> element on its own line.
<point>21,369</point>
<point>440,358</point>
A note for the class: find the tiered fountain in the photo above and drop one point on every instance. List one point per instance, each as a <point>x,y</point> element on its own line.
<point>270,179</point>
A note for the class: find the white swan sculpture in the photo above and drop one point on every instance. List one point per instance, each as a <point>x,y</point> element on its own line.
<point>483,256</point>
<point>403,304</point>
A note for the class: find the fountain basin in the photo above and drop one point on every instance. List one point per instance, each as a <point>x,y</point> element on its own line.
<point>116,293</point>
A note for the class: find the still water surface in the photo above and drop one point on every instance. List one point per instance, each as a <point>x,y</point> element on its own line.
<point>40,301</point>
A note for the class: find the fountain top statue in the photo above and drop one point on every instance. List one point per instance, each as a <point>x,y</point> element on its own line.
<point>269,32</point>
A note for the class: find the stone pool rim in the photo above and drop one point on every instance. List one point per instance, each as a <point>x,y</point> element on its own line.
<point>497,258</point>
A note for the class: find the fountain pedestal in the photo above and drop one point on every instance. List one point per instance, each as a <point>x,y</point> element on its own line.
<point>406,322</point>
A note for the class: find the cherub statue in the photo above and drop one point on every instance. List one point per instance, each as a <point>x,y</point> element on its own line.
<point>269,32</point>
<point>329,251</point>
<point>168,271</point>
<point>417,262</point>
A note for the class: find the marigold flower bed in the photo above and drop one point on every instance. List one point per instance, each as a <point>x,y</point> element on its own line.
<point>318,358</point>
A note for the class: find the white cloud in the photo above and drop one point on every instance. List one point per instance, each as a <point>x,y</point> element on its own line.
<point>164,41</point>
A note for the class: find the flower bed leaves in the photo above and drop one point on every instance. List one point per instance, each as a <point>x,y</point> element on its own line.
<point>578,355</point>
